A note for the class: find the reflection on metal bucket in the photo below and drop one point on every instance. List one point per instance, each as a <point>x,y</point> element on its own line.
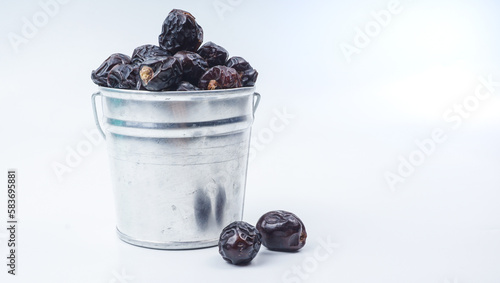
<point>178,162</point>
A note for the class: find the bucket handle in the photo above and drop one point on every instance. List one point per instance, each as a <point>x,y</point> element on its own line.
<point>96,117</point>
<point>256,101</point>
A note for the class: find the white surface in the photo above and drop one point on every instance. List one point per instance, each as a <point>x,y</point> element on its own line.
<point>350,123</point>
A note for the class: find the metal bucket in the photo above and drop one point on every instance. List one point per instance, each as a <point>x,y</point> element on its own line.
<point>178,162</point>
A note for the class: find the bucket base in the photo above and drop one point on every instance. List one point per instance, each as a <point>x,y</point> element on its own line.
<point>167,245</point>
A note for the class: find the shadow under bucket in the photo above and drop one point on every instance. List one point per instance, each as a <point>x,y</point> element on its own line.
<point>178,162</point>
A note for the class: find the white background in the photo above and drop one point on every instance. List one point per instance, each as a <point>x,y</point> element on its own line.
<point>353,118</point>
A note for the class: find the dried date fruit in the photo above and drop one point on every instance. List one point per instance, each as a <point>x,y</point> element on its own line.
<point>186,86</point>
<point>125,76</point>
<point>247,73</point>
<point>193,65</point>
<point>282,231</point>
<point>213,53</point>
<point>160,73</point>
<point>100,75</point>
<point>219,77</point>
<point>239,243</point>
<point>198,66</point>
<point>180,32</point>
<point>147,51</point>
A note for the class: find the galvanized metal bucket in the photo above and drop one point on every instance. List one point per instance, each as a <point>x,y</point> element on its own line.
<point>178,162</point>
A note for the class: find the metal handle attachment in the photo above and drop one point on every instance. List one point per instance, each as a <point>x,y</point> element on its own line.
<point>256,101</point>
<point>96,118</point>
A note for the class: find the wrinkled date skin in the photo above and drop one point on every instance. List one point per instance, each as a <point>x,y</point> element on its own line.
<point>219,77</point>
<point>180,32</point>
<point>213,53</point>
<point>282,231</point>
<point>147,51</point>
<point>125,76</point>
<point>199,67</point>
<point>186,86</point>
<point>100,75</point>
<point>239,243</point>
<point>247,74</point>
<point>160,73</point>
<point>193,66</point>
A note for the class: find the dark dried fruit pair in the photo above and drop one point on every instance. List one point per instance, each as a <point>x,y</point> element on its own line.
<point>237,72</point>
<point>232,73</point>
<point>277,230</point>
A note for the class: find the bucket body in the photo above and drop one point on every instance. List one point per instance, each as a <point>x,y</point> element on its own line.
<point>178,163</point>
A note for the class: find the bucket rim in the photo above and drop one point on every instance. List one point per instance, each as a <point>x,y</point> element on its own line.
<point>130,94</point>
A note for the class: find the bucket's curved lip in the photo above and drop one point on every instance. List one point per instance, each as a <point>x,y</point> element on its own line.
<point>130,94</point>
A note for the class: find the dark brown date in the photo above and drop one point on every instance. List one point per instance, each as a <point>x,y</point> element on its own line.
<point>219,77</point>
<point>239,243</point>
<point>147,51</point>
<point>125,76</point>
<point>180,32</point>
<point>197,66</point>
<point>282,231</point>
<point>193,66</point>
<point>247,73</point>
<point>213,53</point>
<point>160,73</point>
<point>100,75</point>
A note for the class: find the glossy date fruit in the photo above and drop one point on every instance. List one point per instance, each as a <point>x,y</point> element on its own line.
<point>193,66</point>
<point>247,74</point>
<point>180,31</point>
<point>239,243</point>
<point>160,73</point>
<point>125,76</point>
<point>282,231</point>
<point>197,66</point>
<point>186,86</point>
<point>213,53</point>
<point>100,75</point>
<point>147,51</point>
<point>219,77</point>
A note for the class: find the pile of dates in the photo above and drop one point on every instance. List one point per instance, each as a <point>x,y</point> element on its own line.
<point>177,64</point>
<point>278,230</point>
